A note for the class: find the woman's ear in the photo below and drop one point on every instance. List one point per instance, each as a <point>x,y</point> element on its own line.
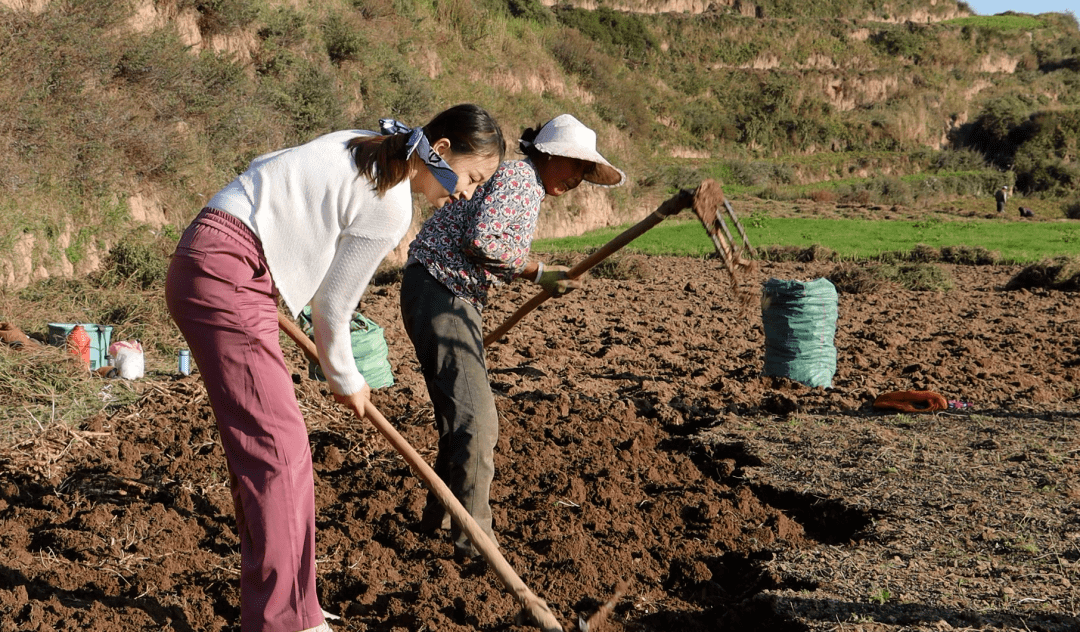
<point>441,146</point>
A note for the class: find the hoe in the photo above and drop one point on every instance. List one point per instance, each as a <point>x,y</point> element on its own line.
<point>704,201</point>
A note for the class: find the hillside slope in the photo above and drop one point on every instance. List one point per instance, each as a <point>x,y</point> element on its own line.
<point>119,113</point>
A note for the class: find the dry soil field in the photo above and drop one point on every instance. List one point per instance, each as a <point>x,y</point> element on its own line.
<point>639,442</point>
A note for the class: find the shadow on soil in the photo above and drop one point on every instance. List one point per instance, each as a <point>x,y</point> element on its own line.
<point>905,615</point>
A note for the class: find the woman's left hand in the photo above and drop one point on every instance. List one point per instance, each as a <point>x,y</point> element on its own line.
<point>357,401</point>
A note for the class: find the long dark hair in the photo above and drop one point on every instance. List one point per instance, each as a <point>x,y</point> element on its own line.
<point>469,128</point>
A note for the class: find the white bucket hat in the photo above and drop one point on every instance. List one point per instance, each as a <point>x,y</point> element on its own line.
<point>566,136</point>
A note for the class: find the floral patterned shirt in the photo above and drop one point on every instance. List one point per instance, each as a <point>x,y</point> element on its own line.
<point>472,245</point>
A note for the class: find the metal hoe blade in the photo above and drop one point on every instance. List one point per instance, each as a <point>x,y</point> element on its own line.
<point>706,204</point>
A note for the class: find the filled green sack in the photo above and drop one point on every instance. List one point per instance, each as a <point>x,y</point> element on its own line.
<point>368,347</point>
<point>800,326</point>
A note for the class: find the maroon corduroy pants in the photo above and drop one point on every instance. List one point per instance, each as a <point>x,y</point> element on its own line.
<point>222,298</point>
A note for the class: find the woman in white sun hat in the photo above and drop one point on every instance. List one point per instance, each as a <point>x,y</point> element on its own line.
<point>462,251</point>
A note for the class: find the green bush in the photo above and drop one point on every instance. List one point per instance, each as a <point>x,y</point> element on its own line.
<point>306,95</point>
<point>531,10</point>
<point>1072,208</point>
<point>903,41</point>
<point>621,99</point>
<point>1001,127</point>
<point>1046,161</point>
<point>139,258</point>
<point>959,159</point>
<point>737,53</point>
<point>672,178</point>
<point>283,25</point>
<point>343,41</point>
<point>891,190</point>
<point>472,20</point>
<point>623,35</point>
<point>760,173</point>
<point>396,88</point>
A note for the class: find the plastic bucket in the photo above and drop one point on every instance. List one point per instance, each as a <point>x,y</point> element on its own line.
<point>100,339</point>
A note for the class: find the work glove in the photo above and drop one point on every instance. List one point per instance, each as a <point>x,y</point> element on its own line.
<point>554,280</point>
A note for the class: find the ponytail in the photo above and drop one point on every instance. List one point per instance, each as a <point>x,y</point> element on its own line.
<point>381,159</point>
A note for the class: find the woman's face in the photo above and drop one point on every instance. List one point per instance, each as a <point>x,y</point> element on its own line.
<point>560,174</point>
<point>472,170</point>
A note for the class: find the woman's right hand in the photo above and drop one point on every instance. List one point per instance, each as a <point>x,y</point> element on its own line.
<point>357,401</point>
<point>554,280</point>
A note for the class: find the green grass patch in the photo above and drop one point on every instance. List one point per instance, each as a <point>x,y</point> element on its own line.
<point>849,238</point>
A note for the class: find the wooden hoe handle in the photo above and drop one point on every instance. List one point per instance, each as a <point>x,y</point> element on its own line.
<point>682,199</point>
<point>533,605</point>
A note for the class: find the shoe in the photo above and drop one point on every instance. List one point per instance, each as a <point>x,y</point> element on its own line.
<point>322,627</point>
<point>432,521</point>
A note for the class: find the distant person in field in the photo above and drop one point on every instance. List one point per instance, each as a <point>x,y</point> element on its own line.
<point>461,252</point>
<point>1001,195</point>
<point>1026,212</point>
<point>309,223</point>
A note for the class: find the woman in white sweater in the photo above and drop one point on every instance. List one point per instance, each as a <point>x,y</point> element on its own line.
<point>309,223</point>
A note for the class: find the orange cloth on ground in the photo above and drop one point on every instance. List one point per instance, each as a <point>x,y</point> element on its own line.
<point>911,401</point>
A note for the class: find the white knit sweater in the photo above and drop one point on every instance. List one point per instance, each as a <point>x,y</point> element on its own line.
<point>324,231</point>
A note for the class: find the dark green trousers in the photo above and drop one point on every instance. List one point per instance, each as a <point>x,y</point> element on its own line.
<point>447,334</point>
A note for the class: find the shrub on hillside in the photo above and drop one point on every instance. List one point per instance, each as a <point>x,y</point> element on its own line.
<point>282,26</point>
<point>673,178</point>
<point>891,190</point>
<point>1001,127</point>
<point>907,40</point>
<point>471,20</point>
<point>531,10</point>
<point>760,172</point>
<point>959,159</point>
<point>1046,161</point>
<point>343,41</point>
<point>1072,208</point>
<point>140,258</point>
<point>620,98</point>
<point>623,35</point>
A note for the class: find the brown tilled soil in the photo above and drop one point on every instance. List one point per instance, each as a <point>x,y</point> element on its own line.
<point>640,442</point>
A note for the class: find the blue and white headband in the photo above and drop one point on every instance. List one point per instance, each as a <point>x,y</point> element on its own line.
<point>418,142</point>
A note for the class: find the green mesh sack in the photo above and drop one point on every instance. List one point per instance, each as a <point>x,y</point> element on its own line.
<point>368,348</point>
<point>800,327</point>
